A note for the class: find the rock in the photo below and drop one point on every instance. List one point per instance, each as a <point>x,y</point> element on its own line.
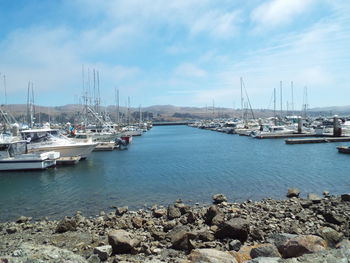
<point>267,250</point>
<point>314,198</point>
<point>334,219</point>
<point>236,228</point>
<point>122,242</point>
<point>137,222</point>
<point>121,210</point>
<point>191,217</point>
<point>207,255</point>
<point>93,259</point>
<point>219,198</point>
<point>22,219</point>
<point>326,193</point>
<point>184,209</point>
<point>295,246</point>
<point>103,252</point>
<point>264,260</point>
<point>159,213</point>
<point>293,192</point>
<point>181,238</point>
<point>157,235</point>
<point>326,256</point>
<point>331,236</point>
<point>345,197</point>
<point>11,230</point>
<point>212,212</point>
<point>43,253</point>
<point>173,212</point>
<point>243,254</point>
<point>235,245</point>
<point>206,236</point>
<point>66,224</point>
<point>343,244</point>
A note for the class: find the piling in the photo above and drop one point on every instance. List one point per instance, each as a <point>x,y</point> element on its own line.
<point>300,125</point>
<point>336,127</point>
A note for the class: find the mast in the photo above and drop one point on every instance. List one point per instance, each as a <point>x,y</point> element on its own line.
<point>274,104</point>
<point>117,103</point>
<point>5,90</point>
<point>140,116</point>
<point>281,97</point>
<point>291,84</point>
<point>242,98</point>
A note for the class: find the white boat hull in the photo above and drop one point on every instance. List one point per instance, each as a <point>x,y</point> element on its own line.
<point>82,150</point>
<point>13,164</point>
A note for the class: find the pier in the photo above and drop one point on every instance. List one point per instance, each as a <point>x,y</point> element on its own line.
<point>167,123</point>
<point>317,140</point>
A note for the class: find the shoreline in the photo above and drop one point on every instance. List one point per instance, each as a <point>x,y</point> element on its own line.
<point>182,233</point>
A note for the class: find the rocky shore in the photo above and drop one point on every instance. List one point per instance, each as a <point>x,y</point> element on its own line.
<point>315,229</point>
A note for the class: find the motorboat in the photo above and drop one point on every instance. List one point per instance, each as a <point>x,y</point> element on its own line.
<point>41,140</point>
<point>14,156</point>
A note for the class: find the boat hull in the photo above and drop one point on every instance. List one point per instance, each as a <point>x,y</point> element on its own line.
<point>82,150</point>
<point>15,165</point>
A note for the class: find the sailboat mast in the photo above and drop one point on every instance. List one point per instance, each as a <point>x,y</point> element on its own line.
<point>281,97</point>
<point>274,104</point>
<point>291,84</point>
<point>242,98</point>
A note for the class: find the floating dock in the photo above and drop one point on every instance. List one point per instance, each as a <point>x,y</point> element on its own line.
<point>317,140</point>
<point>288,135</point>
<point>68,160</point>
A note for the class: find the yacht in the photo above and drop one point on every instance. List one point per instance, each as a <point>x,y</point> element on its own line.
<point>14,156</point>
<point>41,140</point>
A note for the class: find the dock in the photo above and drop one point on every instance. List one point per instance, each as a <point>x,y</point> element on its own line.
<point>317,140</point>
<point>68,160</point>
<point>288,135</point>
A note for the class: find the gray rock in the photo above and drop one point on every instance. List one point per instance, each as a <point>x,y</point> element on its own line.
<point>219,198</point>
<point>173,212</point>
<point>159,212</point>
<point>331,236</point>
<point>122,242</point>
<point>267,250</point>
<point>103,252</point>
<point>236,228</point>
<point>11,230</point>
<point>23,219</point>
<point>265,260</point>
<point>212,212</point>
<point>206,236</point>
<point>334,219</point>
<point>43,253</point>
<point>93,259</point>
<point>235,245</point>
<point>66,224</point>
<point>207,255</point>
<point>293,192</point>
<point>314,198</point>
<point>121,210</point>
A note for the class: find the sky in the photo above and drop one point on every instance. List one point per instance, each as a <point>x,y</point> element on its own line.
<point>181,52</point>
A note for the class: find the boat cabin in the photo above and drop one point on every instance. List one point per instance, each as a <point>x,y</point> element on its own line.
<point>39,135</point>
<point>13,149</point>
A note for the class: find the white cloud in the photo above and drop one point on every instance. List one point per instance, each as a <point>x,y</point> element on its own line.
<point>278,12</point>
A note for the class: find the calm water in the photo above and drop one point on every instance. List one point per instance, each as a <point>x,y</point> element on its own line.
<point>174,162</point>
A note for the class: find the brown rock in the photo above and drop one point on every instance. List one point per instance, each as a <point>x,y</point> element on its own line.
<point>236,228</point>
<point>122,242</point>
<point>66,224</point>
<point>293,192</point>
<point>207,255</point>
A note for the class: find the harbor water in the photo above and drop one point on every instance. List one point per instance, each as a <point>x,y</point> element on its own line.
<point>172,162</point>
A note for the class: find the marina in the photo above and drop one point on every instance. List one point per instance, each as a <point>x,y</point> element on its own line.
<point>164,164</point>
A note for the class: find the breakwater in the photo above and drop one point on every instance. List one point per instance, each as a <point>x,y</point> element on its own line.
<point>268,231</point>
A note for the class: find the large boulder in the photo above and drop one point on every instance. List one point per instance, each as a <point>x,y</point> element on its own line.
<point>293,192</point>
<point>119,211</point>
<point>122,242</point>
<point>212,212</point>
<point>332,236</point>
<point>66,224</point>
<point>236,228</point>
<point>28,252</point>
<point>207,255</point>
<point>181,238</point>
<point>314,198</point>
<point>266,250</point>
<point>295,246</point>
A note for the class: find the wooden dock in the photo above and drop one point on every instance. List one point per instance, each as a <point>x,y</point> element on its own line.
<point>317,140</point>
<point>283,136</point>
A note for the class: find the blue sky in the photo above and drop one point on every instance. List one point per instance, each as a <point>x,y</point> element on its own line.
<point>183,52</point>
